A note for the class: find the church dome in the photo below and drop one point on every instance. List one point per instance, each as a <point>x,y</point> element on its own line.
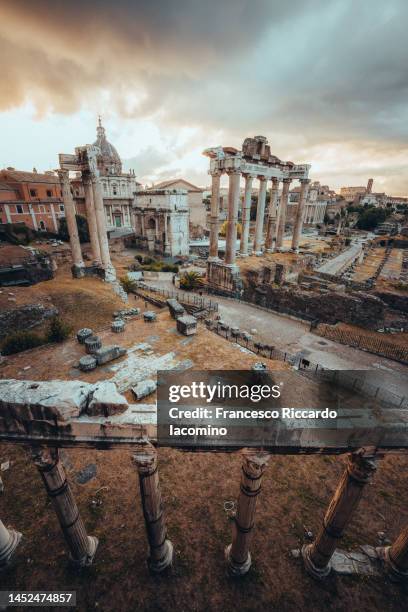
<point>110,162</point>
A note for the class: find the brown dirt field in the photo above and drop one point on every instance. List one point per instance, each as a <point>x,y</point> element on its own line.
<point>296,491</point>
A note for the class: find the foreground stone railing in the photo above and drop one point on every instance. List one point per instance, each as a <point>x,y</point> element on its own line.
<point>44,416</point>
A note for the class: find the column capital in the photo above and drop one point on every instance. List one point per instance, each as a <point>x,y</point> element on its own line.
<point>305,181</point>
<point>286,180</point>
<point>249,175</point>
<point>233,171</point>
<point>44,457</point>
<point>145,460</point>
<point>216,172</point>
<point>63,174</point>
<point>262,178</point>
<point>275,180</point>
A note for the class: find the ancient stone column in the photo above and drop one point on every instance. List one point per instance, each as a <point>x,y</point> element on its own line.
<point>237,553</point>
<point>160,548</point>
<point>282,213</point>
<point>360,468</point>
<point>260,214</point>
<point>214,215</point>
<point>91,218</point>
<point>300,211</point>
<point>9,540</point>
<point>233,205</point>
<point>272,215</point>
<point>82,547</point>
<point>246,215</point>
<point>110,273</point>
<point>166,237</point>
<point>78,267</point>
<point>395,557</point>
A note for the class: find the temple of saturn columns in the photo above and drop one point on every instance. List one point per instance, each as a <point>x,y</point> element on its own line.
<point>85,163</point>
<point>253,162</point>
<point>45,416</point>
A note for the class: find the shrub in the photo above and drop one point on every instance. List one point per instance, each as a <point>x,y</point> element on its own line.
<point>139,258</point>
<point>170,268</point>
<point>190,280</point>
<point>58,330</point>
<point>21,341</point>
<point>128,284</point>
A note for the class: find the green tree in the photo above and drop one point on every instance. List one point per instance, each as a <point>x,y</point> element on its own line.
<point>370,218</point>
<point>83,231</point>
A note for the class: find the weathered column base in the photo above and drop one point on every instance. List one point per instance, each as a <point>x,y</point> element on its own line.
<point>110,274</point>
<point>271,250</point>
<point>233,567</point>
<point>11,541</point>
<point>394,573</point>
<point>159,565</point>
<point>87,559</point>
<point>78,271</point>
<point>258,253</point>
<point>316,572</point>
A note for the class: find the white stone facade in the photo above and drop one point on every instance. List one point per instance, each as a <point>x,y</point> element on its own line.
<point>161,221</point>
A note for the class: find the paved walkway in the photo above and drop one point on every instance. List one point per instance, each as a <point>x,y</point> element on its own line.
<point>295,338</point>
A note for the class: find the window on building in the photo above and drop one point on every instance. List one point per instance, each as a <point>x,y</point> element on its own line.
<point>49,193</point>
<point>33,193</point>
<point>42,208</point>
<point>42,226</point>
<point>77,192</point>
<point>61,207</point>
<point>114,189</point>
<point>19,209</point>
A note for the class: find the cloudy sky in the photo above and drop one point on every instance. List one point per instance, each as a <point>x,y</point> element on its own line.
<point>325,80</point>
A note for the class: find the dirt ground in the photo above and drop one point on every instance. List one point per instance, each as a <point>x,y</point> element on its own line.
<point>195,486</point>
<point>296,491</point>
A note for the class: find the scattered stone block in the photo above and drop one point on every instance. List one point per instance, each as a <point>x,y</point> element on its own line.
<point>234,332</point>
<point>92,344</point>
<point>149,316</point>
<point>259,366</point>
<point>187,325</point>
<point>87,363</point>
<point>144,388</point>
<point>175,308</point>
<point>83,334</point>
<point>108,353</point>
<point>106,400</point>
<point>118,326</point>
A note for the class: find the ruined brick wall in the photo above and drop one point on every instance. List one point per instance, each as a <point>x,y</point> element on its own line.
<point>394,301</point>
<point>25,317</point>
<point>356,309</point>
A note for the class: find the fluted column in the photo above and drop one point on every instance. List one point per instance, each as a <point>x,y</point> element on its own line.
<point>81,546</point>
<point>360,468</point>
<point>297,230</point>
<point>237,553</point>
<point>282,213</point>
<point>91,218</point>
<point>9,540</point>
<point>272,215</point>
<point>233,205</point>
<point>246,215</point>
<point>214,214</point>
<point>78,267</point>
<point>161,549</point>
<point>110,273</point>
<point>395,557</point>
<point>260,215</point>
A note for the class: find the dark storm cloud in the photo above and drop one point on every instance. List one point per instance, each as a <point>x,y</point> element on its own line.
<point>313,71</point>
